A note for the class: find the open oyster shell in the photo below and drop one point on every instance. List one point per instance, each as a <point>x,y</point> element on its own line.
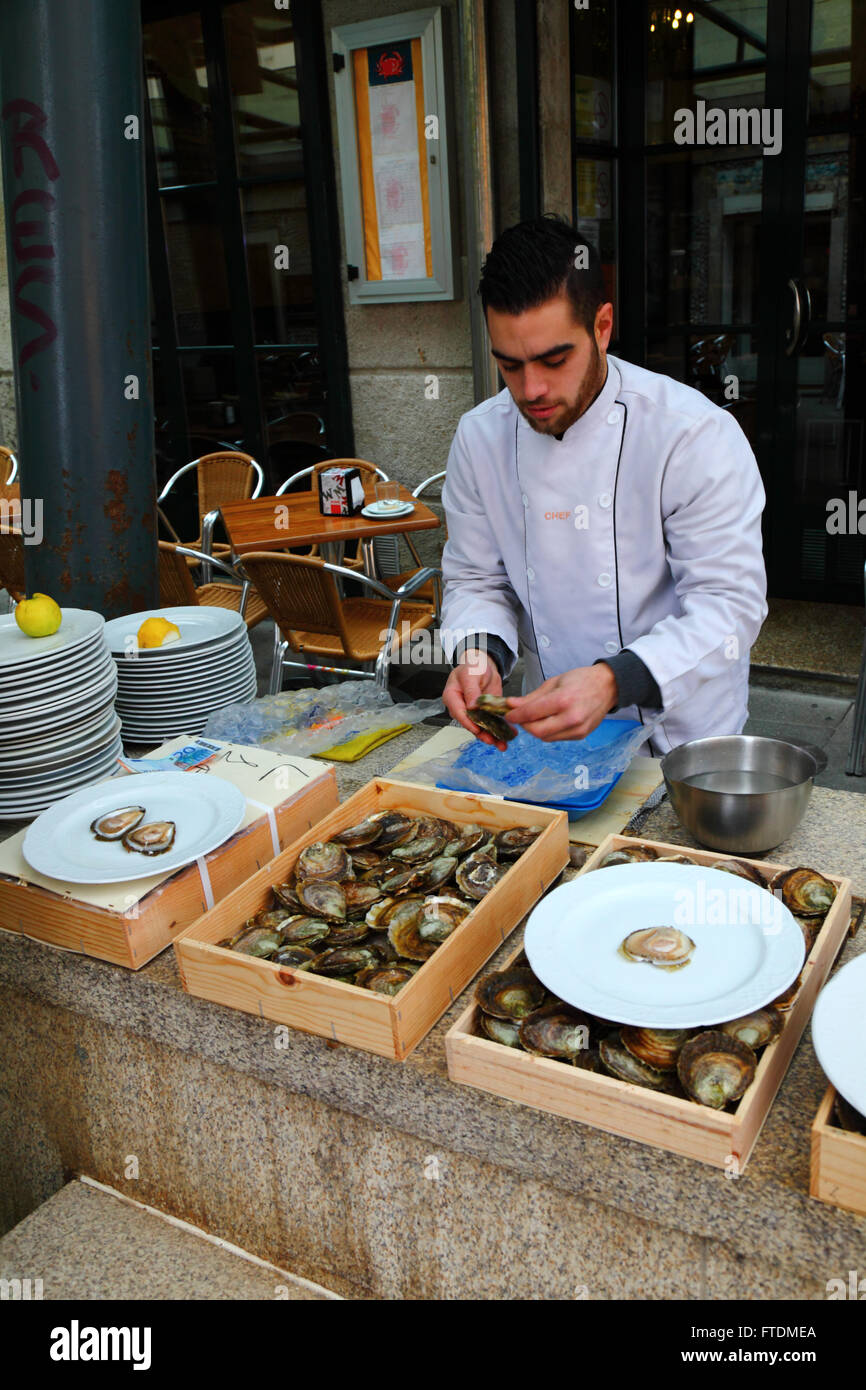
<point>116,824</point>
<point>665,947</point>
<point>154,838</point>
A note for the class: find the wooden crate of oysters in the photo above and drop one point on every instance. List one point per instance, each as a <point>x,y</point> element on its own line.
<point>368,927</point>
<point>703,1092</point>
<point>838,1158</point>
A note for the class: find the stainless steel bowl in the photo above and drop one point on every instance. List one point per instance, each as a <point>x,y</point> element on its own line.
<point>740,794</point>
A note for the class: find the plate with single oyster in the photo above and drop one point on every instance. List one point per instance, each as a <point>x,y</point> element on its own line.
<point>664,945</point>
<point>133,827</point>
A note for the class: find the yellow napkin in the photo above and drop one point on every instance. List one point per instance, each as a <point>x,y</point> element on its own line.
<point>357,747</point>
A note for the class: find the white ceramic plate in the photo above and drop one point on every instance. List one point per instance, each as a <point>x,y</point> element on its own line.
<point>50,773</point>
<point>839,1031</point>
<point>32,732</point>
<point>160,659</point>
<point>79,625</point>
<point>199,627</point>
<point>206,811</point>
<point>377,512</point>
<point>67,779</point>
<point>185,680</point>
<point>748,947</point>
<point>47,701</point>
<point>32,804</point>
<point>83,738</point>
<point>35,674</point>
<point>177,703</point>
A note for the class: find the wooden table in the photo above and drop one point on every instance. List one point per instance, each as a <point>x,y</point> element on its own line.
<point>280,523</point>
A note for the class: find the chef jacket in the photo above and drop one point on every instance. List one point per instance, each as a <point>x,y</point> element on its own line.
<point>640,528</point>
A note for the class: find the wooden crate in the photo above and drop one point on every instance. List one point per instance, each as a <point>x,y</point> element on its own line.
<point>838,1164</point>
<point>667,1122</point>
<point>134,937</point>
<point>388,1025</point>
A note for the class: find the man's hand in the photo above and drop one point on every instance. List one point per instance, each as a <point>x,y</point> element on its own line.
<point>568,706</point>
<point>477,674</point>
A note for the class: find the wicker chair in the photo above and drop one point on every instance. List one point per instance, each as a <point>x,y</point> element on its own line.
<point>302,596</point>
<point>177,590</point>
<point>226,476</point>
<point>388,551</point>
<point>10,490</point>
<point>12,577</point>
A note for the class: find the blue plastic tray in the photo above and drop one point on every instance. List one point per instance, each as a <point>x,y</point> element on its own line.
<point>582,802</point>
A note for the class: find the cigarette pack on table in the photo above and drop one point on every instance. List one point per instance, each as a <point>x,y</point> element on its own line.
<point>341,491</point>
<point>130,923</point>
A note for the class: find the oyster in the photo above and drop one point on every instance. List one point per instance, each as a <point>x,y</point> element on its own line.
<point>755,1029</point>
<point>348,935</point>
<point>272,918</point>
<point>285,894</point>
<point>323,859</point>
<point>299,957</point>
<point>715,1068</point>
<point>303,931</point>
<point>784,1001</point>
<point>388,978</point>
<point>489,713</point>
<point>439,918</point>
<point>640,854</point>
<point>848,1117</point>
<point>420,848</point>
<point>588,1060</point>
<point>357,836</point>
<point>616,1059</point>
<point>256,941</point>
<point>740,869</point>
<point>512,843</point>
<point>115,824</point>
<point>511,993</point>
<point>396,829</point>
<point>404,923</point>
<point>469,838</point>
<point>323,898</point>
<point>379,941</point>
<point>377,914</point>
<point>501,1030</point>
<point>438,871</point>
<point>341,961</point>
<point>804,891</point>
<point>360,897</point>
<point>659,1048</point>
<point>364,859</point>
<point>810,927</point>
<point>154,838</point>
<point>555,1030</point>
<point>666,947</point>
<point>675,859</point>
<point>477,874</point>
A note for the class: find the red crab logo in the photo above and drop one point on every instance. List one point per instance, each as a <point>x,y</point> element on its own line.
<point>389,65</point>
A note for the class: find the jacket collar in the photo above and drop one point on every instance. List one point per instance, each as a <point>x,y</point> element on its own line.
<point>587,422</point>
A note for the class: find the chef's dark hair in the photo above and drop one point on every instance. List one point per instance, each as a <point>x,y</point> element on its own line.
<point>534,261</point>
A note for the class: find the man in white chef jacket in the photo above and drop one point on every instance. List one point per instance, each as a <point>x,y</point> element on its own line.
<point>603,520</point>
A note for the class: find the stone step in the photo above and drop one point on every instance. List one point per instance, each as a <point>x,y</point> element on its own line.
<point>87,1242</point>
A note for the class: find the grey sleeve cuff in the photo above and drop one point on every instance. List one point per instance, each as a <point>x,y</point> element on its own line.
<point>635,683</point>
<point>493,646</point>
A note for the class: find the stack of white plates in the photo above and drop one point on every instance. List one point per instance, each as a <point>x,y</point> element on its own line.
<point>171,690</point>
<point>58,727</point>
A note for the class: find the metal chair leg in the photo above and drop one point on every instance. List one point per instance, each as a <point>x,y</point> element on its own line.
<point>280,649</point>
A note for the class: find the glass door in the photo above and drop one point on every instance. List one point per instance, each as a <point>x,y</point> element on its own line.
<point>720,151</point>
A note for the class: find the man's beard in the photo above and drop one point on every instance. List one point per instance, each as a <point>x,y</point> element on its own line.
<point>590,387</point>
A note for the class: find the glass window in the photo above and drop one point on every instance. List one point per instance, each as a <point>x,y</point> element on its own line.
<point>196,259</point>
<point>278,257</point>
<point>261,57</point>
<point>715,55</point>
<point>178,99</point>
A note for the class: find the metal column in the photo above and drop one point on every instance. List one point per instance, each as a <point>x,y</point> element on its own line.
<point>72,138</point>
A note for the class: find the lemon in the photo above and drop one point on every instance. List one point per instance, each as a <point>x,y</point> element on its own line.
<point>38,616</point>
<point>157,632</point>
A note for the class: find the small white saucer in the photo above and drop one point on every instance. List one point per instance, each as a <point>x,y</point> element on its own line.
<point>377,511</point>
